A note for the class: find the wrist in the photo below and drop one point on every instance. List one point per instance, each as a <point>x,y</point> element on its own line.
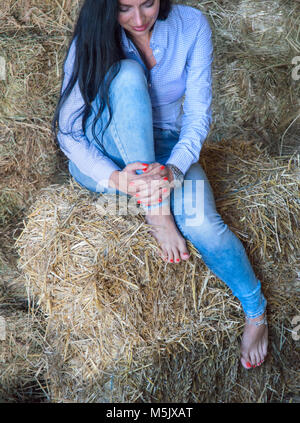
<point>177,175</point>
<point>114,179</point>
<point>170,174</point>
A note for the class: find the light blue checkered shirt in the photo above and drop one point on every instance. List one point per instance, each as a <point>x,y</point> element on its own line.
<point>179,87</point>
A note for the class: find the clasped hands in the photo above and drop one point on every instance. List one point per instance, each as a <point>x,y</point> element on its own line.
<point>151,187</point>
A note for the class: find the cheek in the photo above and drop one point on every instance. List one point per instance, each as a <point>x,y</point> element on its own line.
<point>121,19</point>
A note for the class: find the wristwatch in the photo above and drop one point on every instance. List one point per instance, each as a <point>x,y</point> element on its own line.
<point>177,174</point>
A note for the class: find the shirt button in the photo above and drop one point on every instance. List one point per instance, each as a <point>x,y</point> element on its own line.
<point>149,84</point>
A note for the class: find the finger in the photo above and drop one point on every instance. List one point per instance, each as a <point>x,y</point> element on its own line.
<point>132,167</point>
<point>158,191</point>
<point>156,169</point>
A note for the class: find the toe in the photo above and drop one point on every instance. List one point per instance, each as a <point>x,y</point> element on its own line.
<point>171,257</point>
<point>246,364</point>
<point>184,255</point>
<point>261,354</point>
<point>257,358</point>
<point>252,359</point>
<point>164,256</point>
<point>176,255</point>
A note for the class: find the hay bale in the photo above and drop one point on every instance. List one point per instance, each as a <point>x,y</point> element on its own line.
<point>29,157</point>
<point>23,363</point>
<point>254,95</point>
<point>48,16</point>
<point>117,316</point>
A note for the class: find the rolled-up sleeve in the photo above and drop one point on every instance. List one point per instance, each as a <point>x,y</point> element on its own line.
<point>197,116</point>
<point>75,145</point>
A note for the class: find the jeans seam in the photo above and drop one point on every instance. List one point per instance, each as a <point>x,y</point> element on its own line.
<point>118,142</point>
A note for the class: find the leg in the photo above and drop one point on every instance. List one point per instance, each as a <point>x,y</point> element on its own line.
<point>222,251</point>
<point>129,137</point>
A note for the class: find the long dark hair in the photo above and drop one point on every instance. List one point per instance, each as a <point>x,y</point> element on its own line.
<point>97,60</point>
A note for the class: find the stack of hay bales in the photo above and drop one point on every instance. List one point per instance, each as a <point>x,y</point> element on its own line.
<point>117,316</point>
<point>33,40</point>
<point>254,97</point>
<point>254,93</point>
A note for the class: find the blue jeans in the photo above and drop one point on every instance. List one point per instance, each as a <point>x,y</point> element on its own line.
<point>131,137</point>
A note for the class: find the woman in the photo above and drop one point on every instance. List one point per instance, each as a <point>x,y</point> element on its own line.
<point>122,125</point>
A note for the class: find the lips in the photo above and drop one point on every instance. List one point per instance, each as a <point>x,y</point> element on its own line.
<point>141,28</point>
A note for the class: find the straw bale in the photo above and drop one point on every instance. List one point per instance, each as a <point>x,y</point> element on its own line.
<point>254,97</point>
<point>119,318</point>
<point>254,94</point>
<point>51,16</point>
<point>29,156</point>
<point>22,359</point>
<point>32,75</point>
<point>23,362</point>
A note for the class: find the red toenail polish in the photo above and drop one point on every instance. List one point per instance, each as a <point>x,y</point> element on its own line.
<point>171,260</point>
<point>177,259</point>
<point>248,364</point>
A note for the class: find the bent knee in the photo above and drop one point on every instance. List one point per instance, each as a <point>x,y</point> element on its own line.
<point>131,72</point>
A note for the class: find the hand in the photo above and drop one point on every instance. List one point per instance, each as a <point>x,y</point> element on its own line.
<point>153,186</point>
<point>149,187</point>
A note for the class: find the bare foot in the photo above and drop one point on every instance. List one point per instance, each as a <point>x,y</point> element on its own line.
<point>164,229</point>
<point>254,343</point>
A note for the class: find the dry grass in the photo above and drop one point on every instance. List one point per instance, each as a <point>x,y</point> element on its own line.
<point>254,97</point>
<point>115,312</point>
<point>254,94</point>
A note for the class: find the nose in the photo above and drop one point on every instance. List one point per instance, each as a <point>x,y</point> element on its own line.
<point>138,19</point>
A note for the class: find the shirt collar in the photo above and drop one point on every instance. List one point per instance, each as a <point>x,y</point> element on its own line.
<point>159,37</point>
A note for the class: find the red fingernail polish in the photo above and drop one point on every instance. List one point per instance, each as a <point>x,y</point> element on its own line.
<point>160,200</point>
<point>139,201</point>
<point>165,190</point>
<point>137,195</point>
<point>144,170</point>
<point>131,183</point>
<point>145,164</point>
<point>162,167</point>
<point>166,179</point>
